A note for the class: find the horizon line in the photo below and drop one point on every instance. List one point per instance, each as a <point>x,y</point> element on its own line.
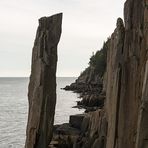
<point>29,76</point>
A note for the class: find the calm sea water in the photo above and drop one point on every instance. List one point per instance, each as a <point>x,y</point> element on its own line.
<point>14,108</point>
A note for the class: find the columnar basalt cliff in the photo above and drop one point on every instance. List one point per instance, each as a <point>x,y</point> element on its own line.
<point>42,86</point>
<point>126,96</point>
<point>123,121</point>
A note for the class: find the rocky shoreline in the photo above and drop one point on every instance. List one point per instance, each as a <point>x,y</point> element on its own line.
<point>75,134</point>
<point>83,130</point>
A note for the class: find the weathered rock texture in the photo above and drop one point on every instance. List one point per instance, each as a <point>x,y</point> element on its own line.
<point>114,60</point>
<point>93,131</point>
<point>42,86</point>
<point>127,89</point>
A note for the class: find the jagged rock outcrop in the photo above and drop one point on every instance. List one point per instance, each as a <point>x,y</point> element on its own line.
<point>91,79</point>
<point>90,82</point>
<point>42,86</point>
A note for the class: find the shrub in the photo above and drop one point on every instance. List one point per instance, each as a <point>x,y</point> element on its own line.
<point>98,60</point>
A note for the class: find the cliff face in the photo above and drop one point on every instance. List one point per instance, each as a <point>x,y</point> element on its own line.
<point>42,86</point>
<point>123,121</point>
<point>126,95</point>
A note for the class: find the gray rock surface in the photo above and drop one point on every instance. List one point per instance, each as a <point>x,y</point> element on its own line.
<point>126,97</point>
<point>42,86</point>
<point>142,130</point>
<point>93,130</point>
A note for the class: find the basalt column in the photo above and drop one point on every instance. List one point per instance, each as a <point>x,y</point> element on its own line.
<point>42,86</point>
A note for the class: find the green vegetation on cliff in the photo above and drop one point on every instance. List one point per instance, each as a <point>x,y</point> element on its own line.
<point>98,60</point>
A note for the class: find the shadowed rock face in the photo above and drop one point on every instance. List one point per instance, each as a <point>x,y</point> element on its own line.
<point>42,86</point>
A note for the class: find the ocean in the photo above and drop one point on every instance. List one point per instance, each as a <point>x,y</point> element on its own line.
<point>14,108</point>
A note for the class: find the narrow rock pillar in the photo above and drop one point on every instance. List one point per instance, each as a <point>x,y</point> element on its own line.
<point>42,86</point>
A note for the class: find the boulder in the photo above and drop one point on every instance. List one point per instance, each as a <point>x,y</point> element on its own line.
<point>67,129</point>
<point>76,120</point>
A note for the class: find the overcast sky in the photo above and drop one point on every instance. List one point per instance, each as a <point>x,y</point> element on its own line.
<point>86,25</point>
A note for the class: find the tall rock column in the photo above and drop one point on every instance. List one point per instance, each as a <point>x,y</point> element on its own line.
<point>42,86</point>
<point>114,69</point>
